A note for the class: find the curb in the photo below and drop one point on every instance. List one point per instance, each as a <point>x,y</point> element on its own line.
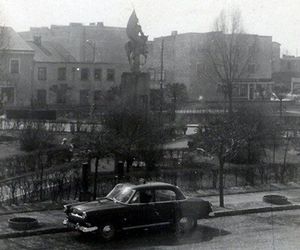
<point>248,192</point>
<point>29,211</point>
<point>254,210</point>
<point>50,230</point>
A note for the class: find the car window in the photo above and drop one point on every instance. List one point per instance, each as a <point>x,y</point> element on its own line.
<point>144,196</point>
<point>124,194</point>
<point>165,195</point>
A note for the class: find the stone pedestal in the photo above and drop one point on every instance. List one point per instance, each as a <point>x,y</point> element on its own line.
<point>135,89</point>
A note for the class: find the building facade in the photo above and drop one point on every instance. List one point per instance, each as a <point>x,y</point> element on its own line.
<point>288,69</point>
<point>76,64</point>
<point>183,60</point>
<point>16,62</point>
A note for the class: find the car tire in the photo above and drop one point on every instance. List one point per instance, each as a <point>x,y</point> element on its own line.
<point>107,231</point>
<point>185,224</point>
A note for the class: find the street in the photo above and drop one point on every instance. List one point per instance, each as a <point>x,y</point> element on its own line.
<point>277,230</point>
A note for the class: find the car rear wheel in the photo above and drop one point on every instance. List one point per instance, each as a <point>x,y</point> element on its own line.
<point>107,231</point>
<point>186,224</point>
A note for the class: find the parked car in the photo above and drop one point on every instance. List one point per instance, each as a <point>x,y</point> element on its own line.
<point>130,206</point>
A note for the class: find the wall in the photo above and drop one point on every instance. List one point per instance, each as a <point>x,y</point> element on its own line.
<point>183,56</point>
<point>21,81</point>
<point>73,79</point>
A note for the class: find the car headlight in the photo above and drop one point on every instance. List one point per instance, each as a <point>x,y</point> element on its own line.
<point>84,215</point>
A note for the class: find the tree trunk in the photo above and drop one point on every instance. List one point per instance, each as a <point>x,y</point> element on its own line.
<point>41,166</point>
<point>283,169</point>
<point>95,178</point>
<point>214,178</point>
<point>229,98</point>
<point>274,151</point>
<point>221,183</point>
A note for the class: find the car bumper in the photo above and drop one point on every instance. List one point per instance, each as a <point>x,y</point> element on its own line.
<point>78,227</point>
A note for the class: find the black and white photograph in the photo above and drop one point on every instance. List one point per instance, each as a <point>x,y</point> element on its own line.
<point>150,124</point>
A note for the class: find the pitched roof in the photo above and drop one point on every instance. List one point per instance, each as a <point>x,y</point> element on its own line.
<point>11,40</point>
<point>50,52</point>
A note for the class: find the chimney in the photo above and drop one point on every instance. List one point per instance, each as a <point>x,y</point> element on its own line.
<point>100,24</point>
<point>174,33</point>
<point>37,40</point>
<point>76,24</point>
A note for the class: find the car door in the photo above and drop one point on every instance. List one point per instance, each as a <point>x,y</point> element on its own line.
<point>165,205</point>
<point>139,210</point>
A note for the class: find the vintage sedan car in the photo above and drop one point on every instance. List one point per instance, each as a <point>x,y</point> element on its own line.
<point>129,206</point>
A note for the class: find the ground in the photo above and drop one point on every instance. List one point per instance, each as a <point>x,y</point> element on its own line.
<point>274,230</point>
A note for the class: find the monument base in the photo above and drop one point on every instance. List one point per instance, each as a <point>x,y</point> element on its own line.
<point>135,89</point>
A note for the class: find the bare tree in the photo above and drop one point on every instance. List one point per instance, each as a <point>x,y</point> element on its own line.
<point>132,134</point>
<point>220,137</point>
<point>226,54</point>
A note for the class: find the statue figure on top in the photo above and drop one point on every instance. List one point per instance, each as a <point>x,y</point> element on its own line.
<point>136,47</point>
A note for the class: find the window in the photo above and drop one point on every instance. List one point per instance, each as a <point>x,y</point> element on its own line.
<point>243,90</point>
<point>251,68</point>
<point>152,74</point>
<point>200,68</point>
<point>289,65</point>
<point>160,76</point>
<point>61,94</point>
<point>165,195</point>
<point>98,74</point>
<point>14,66</point>
<point>85,74</point>
<point>41,97</point>
<point>61,74</point>
<point>145,196</point>
<point>110,75</point>
<point>7,95</point>
<point>98,96</point>
<point>42,73</point>
<point>84,97</point>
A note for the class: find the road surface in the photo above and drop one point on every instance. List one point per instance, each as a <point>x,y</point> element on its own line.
<point>277,230</point>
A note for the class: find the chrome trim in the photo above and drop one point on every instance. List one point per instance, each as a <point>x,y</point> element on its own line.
<point>80,228</point>
<point>77,215</point>
<point>86,229</point>
<point>147,225</point>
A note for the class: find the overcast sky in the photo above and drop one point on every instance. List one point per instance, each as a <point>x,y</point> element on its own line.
<point>277,18</point>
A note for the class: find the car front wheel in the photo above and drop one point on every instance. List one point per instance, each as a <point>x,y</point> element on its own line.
<point>107,231</point>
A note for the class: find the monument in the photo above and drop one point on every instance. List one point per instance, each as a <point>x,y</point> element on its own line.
<point>135,85</point>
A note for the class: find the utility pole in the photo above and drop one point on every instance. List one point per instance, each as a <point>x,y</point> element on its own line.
<point>161,80</point>
<point>93,46</point>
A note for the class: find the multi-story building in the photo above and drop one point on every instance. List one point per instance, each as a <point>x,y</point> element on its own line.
<point>16,62</point>
<point>182,61</point>
<point>61,80</point>
<point>76,64</point>
<point>289,69</point>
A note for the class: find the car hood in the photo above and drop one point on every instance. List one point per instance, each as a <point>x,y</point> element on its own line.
<point>102,204</point>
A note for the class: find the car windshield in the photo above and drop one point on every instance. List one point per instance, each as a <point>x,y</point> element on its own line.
<point>121,193</point>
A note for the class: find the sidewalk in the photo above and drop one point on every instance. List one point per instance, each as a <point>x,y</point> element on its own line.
<point>50,222</point>
<point>236,204</point>
<point>50,216</point>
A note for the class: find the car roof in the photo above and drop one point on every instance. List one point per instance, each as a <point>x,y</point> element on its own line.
<point>152,185</point>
